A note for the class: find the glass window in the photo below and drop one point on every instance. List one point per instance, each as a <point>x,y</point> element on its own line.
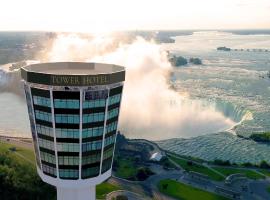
<point>67,118</point>
<point>44,130</point>
<point>89,146</point>
<point>43,115</point>
<point>67,133</point>
<point>49,169</point>
<point>89,172</point>
<point>46,144</point>
<point>68,160</point>
<point>68,147</point>
<point>111,127</point>
<point>92,132</point>
<point>114,99</point>
<point>91,159</point>
<point>47,157</point>
<point>109,140</point>
<point>113,113</point>
<point>67,103</point>
<point>93,117</point>
<point>68,173</point>
<point>108,153</point>
<point>42,101</point>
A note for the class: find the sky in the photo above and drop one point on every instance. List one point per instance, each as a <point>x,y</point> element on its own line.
<point>109,15</point>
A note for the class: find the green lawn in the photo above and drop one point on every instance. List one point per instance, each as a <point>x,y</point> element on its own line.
<point>197,168</point>
<point>125,168</point>
<point>268,189</point>
<point>248,173</point>
<point>185,192</point>
<point>265,172</point>
<point>105,188</point>
<point>27,153</point>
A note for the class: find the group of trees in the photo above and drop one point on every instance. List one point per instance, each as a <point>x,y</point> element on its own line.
<point>19,180</point>
<point>180,61</point>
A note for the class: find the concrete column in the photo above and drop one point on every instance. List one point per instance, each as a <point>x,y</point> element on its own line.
<point>88,193</point>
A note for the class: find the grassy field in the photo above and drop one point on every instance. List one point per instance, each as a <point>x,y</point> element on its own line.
<point>182,191</point>
<point>248,173</point>
<point>197,168</point>
<point>126,168</point>
<point>26,153</point>
<point>105,188</point>
<point>268,189</point>
<point>265,172</point>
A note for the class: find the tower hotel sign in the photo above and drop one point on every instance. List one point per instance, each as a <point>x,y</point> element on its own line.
<point>80,80</point>
<point>56,78</point>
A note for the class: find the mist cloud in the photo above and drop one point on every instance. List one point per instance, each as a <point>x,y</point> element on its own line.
<point>150,108</point>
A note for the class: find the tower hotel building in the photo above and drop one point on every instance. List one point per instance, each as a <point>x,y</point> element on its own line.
<point>73,110</point>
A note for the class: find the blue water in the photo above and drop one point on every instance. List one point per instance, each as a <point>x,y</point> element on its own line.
<point>225,78</point>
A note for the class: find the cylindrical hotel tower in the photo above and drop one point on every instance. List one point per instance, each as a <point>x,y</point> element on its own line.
<point>73,110</point>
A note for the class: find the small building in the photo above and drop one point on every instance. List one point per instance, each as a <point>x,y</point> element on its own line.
<point>157,156</point>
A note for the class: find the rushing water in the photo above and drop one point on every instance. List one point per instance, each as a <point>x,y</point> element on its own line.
<point>233,81</point>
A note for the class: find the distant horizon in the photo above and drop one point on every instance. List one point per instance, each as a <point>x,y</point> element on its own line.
<point>146,30</point>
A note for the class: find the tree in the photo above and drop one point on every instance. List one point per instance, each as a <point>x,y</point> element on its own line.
<point>264,165</point>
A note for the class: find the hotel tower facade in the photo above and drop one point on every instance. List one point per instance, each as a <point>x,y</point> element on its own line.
<point>73,110</point>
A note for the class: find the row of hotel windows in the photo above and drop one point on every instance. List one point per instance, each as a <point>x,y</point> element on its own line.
<point>75,147</point>
<point>47,157</point>
<point>42,101</point>
<point>75,133</point>
<point>109,140</point>
<point>74,160</point>
<point>89,159</point>
<point>68,160</point>
<point>67,103</point>
<point>49,170</point>
<point>111,127</point>
<point>113,113</point>
<point>67,118</point>
<point>94,103</point>
<point>72,173</point>
<point>92,132</point>
<point>43,115</point>
<point>74,119</point>
<point>89,172</point>
<point>69,173</point>
<point>67,133</point>
<point>94,117</point>
<point>114,99</point>
<point>75,104</point>
<point>108,153</point>
<point>90,146</point>
<point>46,144</point>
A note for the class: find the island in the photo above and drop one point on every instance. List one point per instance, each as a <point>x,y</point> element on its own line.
<point>195,61</point>
<point>260,137</point>
<point>223,49</point>
<point>178,61</point>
